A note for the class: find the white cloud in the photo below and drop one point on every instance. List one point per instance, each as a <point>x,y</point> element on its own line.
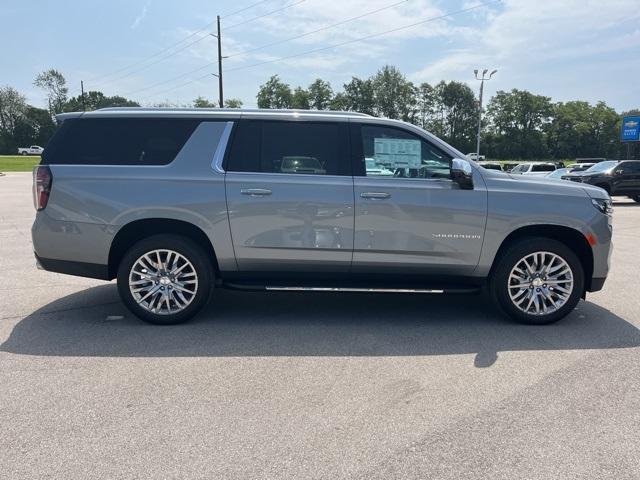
<point>553,44</point>
<point>141,16</point>
<point>315,15</point>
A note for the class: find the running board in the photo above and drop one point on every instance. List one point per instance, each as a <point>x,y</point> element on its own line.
<point>298,288</point>
<point>352,289</point>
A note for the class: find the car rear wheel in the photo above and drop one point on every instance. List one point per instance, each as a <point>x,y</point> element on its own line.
<point>636,198</point>
<point>537,281</point>
<point>24,154</point>
<point>165,279</point>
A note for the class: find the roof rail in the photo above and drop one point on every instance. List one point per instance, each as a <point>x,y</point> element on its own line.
<point>232,110</point>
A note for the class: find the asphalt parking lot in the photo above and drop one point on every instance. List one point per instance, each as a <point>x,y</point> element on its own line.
<point>312,385</point>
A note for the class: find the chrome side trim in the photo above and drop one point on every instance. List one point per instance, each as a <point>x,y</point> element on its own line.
<point>348,289</point>
<point>218,157</point>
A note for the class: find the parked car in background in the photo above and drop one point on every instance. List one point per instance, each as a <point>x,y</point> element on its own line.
<point>557,174</point>
<point>32,150</point>
<point>539,169</point>
<point>176,202</point>
<point>616,178</point>
<point>475,157</point>
<point>508,166</point>
<point>580,167</point>
<point>491,165</point>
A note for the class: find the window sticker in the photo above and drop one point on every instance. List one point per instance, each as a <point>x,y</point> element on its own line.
<point>397,153</point>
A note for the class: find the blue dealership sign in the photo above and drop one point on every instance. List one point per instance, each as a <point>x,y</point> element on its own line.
<point>630,129</point>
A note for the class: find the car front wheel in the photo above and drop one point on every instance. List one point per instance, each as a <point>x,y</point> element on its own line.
<point>537,281</point>
<point>636,198</point>
<point>165,279</point>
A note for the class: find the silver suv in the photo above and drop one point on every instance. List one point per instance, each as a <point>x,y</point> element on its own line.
<point>175,202</point>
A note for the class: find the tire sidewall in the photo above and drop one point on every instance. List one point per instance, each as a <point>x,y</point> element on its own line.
<point>189,250</point>
<point>499,280</point>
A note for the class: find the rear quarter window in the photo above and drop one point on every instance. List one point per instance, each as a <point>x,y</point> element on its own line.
<point>118,141</point>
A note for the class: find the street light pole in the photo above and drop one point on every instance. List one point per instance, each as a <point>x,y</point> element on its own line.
<point>482,79</point>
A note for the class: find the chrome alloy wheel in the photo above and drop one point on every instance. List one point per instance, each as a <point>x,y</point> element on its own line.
<point>540,283</point>
<point>163,282</point>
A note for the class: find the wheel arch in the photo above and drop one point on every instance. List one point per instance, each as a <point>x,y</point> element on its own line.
<point>572,238</point>
<point>137,230</point>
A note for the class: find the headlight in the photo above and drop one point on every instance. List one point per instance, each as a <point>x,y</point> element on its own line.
<point>604,205</point>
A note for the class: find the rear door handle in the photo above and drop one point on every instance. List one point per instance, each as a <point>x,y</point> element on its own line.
<point>255,192</point>
<point>375,195</point>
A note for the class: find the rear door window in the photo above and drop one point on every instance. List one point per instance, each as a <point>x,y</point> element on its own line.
<point>290,147</point>
<point>118,141</point>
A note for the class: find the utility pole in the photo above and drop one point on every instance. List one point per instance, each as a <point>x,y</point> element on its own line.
<point>219,37</point>
<point>84,107</point>
<point>482,79</point>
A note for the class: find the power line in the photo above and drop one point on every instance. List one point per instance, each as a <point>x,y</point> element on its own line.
<point>321,29</point>
<point>175,52</point>
<point>243,9</point>
<point>160,52</point>
<point>101,80</point>
<point>171,79</point>
<point>367,37</point>
<point>177,86</point>
<point>308,52</point>
<point>265,46</point>
<point>264,15</point>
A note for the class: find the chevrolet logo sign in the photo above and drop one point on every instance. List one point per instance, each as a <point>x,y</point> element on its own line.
<point>631,124</point>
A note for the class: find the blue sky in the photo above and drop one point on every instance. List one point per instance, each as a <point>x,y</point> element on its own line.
<point>565,49</point>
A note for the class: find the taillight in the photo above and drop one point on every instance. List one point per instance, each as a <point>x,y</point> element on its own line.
<point>41,186</point>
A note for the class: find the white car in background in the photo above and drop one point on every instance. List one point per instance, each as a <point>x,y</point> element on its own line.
<point>538,169</point>
<point>32,150</point>
<point>476,157</point>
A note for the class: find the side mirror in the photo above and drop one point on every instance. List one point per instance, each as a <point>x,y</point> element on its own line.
<point>462,173</point>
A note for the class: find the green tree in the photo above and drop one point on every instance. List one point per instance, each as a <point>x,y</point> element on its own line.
<point>233,103</point>
<point>36,127</point>
<point>453,111</point>
<point>94,100</point>
<point>201,102</point>
<point>426,105</point>
<point>320,95</point>
<point>13,108</point>
<point>54,83</point>
<point>394,95</point>
<point>300,99</point>
<point>517,120</point>
<point>274,94</point>
<point>358,96</point>
<point>579,129</point>
<point>339,102</point>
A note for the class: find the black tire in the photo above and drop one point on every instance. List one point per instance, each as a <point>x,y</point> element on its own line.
<point>636,198</point>
<point>24,154</point>
<point>189,250</point>
<point>499,281</point>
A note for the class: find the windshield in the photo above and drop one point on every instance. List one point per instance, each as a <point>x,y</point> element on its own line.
<point>602,166</point>
<point>542,167</point>
<point>558,173</point>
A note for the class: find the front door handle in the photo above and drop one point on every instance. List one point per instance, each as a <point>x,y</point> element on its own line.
<point>376,195</point>
<point>255,192</point>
